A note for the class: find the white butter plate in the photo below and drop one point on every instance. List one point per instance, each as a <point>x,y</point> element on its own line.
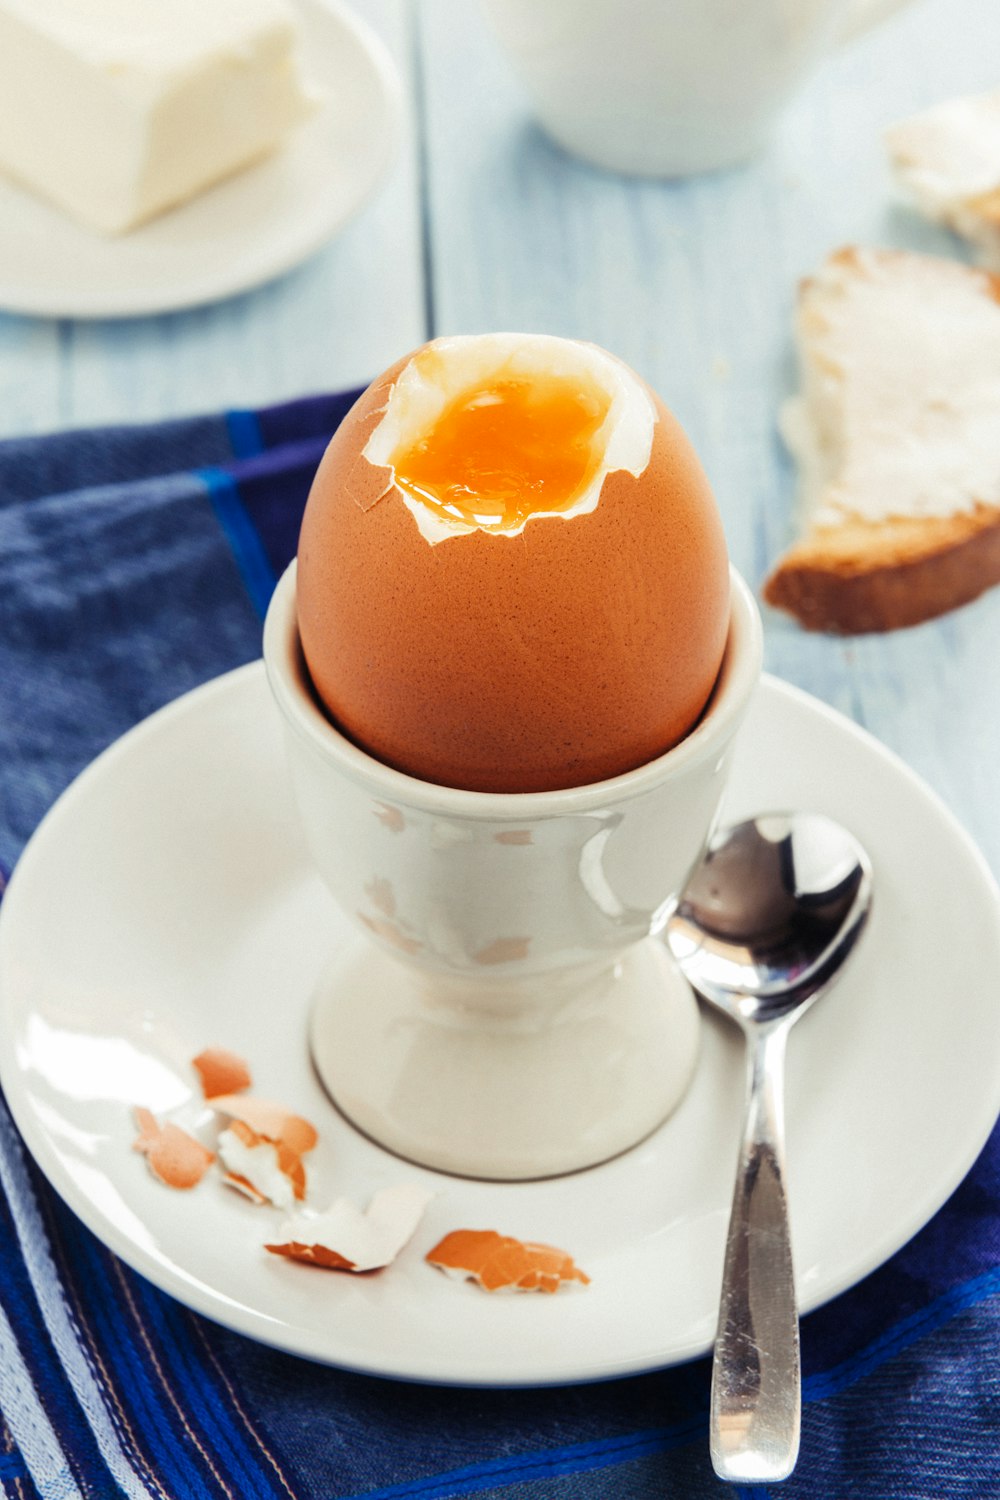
<point>166,904</point>
<point>253,226</point>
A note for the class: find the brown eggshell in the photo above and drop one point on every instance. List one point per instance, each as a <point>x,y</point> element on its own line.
<point>221,1072</point>
<point>500,1262</point>
<point>572,652</point>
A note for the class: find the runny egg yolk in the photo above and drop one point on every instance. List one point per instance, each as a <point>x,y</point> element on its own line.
<point>507,450</point>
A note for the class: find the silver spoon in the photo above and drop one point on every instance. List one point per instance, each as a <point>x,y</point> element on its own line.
<point>763,926</point>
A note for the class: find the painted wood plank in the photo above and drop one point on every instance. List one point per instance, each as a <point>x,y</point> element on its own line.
<point>693,283</point>
<point>335,321</point>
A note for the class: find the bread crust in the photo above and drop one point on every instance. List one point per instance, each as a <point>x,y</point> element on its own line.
<point>855,579</point>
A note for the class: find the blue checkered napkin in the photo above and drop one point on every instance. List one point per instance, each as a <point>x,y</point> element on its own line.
<point>136,563</point>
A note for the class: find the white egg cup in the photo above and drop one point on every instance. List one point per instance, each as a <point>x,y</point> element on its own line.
<point>507,1009</point>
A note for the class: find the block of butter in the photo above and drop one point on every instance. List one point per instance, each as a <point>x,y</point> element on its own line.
<point>115,110</point>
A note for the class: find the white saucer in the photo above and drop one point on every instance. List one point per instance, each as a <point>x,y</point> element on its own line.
<point>166,904</point>
<point>246,230</point>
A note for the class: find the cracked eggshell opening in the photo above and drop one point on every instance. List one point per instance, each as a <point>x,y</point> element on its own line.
<point>446,368</point>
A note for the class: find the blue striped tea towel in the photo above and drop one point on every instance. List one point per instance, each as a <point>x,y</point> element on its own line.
<point>135,563</point>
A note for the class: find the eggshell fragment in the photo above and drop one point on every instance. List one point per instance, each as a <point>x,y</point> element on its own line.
<point>221,1072</point>
<point>499,1262</point>
<point>173,1156</point>
<point>270,1121</point>
<point>265,1171</point>
<point>243,1185</point>
<point>346,1238</point>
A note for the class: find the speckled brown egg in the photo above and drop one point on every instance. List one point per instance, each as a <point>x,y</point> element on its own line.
<point>512,575</point>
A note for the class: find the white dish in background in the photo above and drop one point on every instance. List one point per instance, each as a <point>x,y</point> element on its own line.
<point>246,230</point>
<point>166,904</point>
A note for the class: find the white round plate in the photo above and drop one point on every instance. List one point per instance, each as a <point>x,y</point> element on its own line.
<point>166,904</point>
<point>246,230</point>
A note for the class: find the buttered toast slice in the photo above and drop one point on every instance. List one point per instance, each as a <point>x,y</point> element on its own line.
<point>948,159</point>
<point>896,433</point>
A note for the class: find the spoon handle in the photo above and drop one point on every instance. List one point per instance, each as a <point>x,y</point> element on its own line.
<point>756,1387</point>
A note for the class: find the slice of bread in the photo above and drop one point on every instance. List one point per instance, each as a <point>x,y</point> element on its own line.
<point>948,159</point>
<point>897,436</point>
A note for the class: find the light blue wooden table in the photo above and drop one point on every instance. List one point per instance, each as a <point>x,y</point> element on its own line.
<point>483,224</point>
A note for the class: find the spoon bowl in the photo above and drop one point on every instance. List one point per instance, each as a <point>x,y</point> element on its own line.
<point>762,928</point>
<point>771,913</point>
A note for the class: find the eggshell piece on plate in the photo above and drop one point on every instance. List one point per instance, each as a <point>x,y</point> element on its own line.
<point>221,1072</point>
<point>243,1185</point>
<point>271,1121</point>
<point>498,1262</point>
<point>173,1156</point>
<point>264,1171</point>
<point>346,1238</point>
<point>540,648</point>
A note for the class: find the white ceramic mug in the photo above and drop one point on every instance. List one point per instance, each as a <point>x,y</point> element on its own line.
<point>665,88</point>
<point>505,1009</point>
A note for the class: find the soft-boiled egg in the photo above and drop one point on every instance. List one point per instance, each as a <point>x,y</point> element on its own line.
<point>512,575</point>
